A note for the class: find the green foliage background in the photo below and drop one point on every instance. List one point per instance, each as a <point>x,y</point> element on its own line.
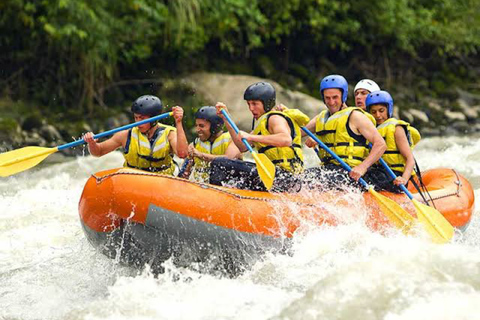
<point>76,57</point>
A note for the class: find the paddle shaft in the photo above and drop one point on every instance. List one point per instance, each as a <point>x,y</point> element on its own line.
<point>324,147</point>
<point>110,132</point>
<point>393,175</point>
<point>234,126</point>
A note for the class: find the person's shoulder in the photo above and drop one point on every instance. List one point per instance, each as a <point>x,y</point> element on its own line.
<point>120,138</point>
<point>122,135</point>
<point>277,117</point>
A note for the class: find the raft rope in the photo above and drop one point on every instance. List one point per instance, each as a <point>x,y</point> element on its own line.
<point>454,194</point>
<point>200,184</point>
<point>238,196</point>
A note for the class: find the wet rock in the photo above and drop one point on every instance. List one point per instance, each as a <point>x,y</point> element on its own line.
<point>50,133</point>
<point>476,127</point>
<point>467,110</point>
<point>406,115</point>
<point>462,127</point>
<point>448,131</point>
<point>434,105</point>
<point>117,121</point>
<point>419,115</point>
<point>469,98</point>
<point>428,132</point>
<point>33,121</point>
<point>34,139</point>
<point>455,115</point>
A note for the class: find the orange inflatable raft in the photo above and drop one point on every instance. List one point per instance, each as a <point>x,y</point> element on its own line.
<point>143,217</point>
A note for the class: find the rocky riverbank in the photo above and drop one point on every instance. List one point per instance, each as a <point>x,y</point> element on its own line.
<point>22,125</point>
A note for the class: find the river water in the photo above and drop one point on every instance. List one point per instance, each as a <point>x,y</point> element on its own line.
<point>48,270</point>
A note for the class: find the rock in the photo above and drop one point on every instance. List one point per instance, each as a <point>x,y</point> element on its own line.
<point>434,105</point>
<point>33,121</point>
<point>35,139</point>
<point>469,98</point>
<point>428,132</point>
<point>470,112</point>
<point>419,115</point>
<point>406,115</point>
<point>117,121</point>
<point>476,127</point>
<point>461,126</point>
<point>455,115</point>
<point>229,89</point>
<point>448,131</point>
<point>50,133</point>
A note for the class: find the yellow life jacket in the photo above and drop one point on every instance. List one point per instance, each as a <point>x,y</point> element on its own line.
<point>218,147</point>
<point>288,158</point>
<point>332,130</point>
<point>392,155</point>
<point>155,156</point>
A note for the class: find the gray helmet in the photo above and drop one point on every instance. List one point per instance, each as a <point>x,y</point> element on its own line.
<point>262,91</point>
<point>147,105</point>
<point>209,113</point>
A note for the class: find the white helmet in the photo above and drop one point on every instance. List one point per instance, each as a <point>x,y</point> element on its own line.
<point>367,84</point>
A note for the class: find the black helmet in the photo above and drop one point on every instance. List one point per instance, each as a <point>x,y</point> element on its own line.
<point>209,113</point>
<point>262,91</point>
<point>147,105</point>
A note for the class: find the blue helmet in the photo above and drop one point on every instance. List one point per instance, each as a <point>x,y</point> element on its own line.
<point>335,81</point>
<point>380,97</point>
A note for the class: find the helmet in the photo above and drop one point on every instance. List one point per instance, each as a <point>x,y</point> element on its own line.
<point>147,105</point>
<point>368,85</point>
<point>209,113</point>
<point>262,91</point>
<point>335,81</point>
<point>380,97</point>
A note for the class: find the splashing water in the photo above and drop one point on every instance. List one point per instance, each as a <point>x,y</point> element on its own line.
<point>48,270</point>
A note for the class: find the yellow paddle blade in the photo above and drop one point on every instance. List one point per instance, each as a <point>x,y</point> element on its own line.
<point>434,222</point>
<point>19,160</point>
<point>394,212</point>
<point>265,168</point>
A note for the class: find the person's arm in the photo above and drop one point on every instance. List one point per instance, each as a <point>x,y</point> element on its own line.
<point>360,124</point>
<point>404,147</point>
<point>238,142</point>
<point>178,140</point>
<point>311,127</point>
<point>100,149</point>
<point>232,152</point>
<point>279,136</point>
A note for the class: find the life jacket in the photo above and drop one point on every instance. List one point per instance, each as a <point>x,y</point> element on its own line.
<point>153,156</point>
<point>392,155</point>
<point>201,168</point>
<point>288,158</point>
<point>332,130</point>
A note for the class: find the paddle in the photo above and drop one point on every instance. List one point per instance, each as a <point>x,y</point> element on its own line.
<point>265,167</point>
<point>434,222</point>
<point>15,161</point>
<point>394,212</point>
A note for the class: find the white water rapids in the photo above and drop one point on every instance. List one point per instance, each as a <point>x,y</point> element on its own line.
<point>48,270</point>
